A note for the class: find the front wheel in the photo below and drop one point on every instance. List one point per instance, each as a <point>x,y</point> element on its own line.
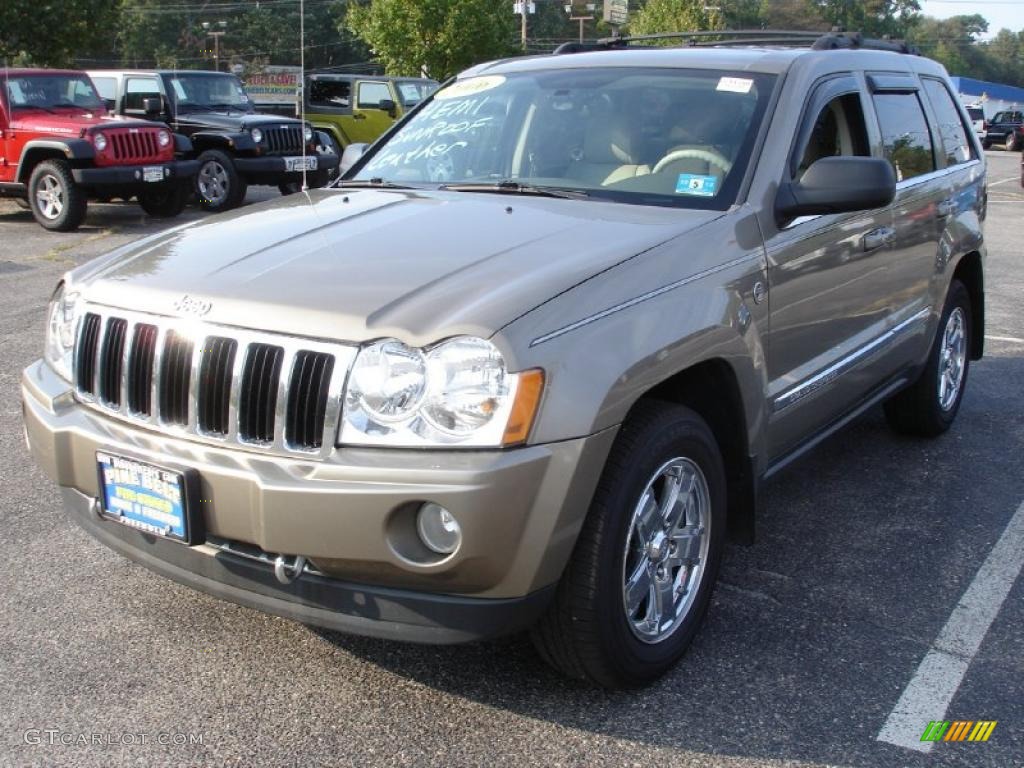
<point>165,201</point>
<point>640,578</point>
<point>928,407</point>
<point>219,187</point>
<point>56,201</point>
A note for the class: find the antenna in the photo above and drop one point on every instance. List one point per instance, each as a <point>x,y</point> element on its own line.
<point>302,86</point>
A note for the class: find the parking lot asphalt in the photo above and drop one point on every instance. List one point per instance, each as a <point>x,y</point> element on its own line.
<point>864,550</point>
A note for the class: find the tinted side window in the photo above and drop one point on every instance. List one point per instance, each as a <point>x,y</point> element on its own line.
<point>372,94</point>
<point>333,94</point>
<point>136,90</point>
<point>908,144</point>
<point>955,145</point>
<point>106,87</point>
<point>838,131</point>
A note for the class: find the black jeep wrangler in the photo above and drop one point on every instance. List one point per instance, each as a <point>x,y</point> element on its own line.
<point>235,145</point>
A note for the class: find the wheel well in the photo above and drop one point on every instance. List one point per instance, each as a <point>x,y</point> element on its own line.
<point>710,388</point>
<point>969,272</point>
<point>33,158</point>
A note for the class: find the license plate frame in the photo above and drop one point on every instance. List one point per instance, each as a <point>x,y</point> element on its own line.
<point>152,173</point>
<point>295,164</point>
<point>159,500</point>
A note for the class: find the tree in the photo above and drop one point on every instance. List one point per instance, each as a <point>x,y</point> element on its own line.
<point>51,34</point>
<point>874,18</point>
<point>675,16</point>
<point>442,37</point>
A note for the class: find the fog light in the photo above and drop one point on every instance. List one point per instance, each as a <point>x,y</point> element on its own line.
<point>438,529</point>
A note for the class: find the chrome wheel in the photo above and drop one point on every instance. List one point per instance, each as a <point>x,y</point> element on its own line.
<point>952,358</point>
<point>666,550</point>
<point>50,196</point>
<point>213,182</point>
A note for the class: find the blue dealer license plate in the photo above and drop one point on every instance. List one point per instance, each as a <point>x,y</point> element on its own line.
<point>143,496</point>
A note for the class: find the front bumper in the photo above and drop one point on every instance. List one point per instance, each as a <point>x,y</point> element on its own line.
<point>272,170</point>
<point>133,175</point>
<point>520,512</point>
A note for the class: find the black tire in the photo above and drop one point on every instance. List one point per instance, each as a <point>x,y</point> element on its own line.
<point>290,187</point>
<point>65,210</point>
<point>586,633</point>
<point>986,144</point>
<point>219,187</point>
<point>919,409</point>
<point>165,201</point>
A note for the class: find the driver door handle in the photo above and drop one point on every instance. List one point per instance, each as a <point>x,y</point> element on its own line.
<point>877,238</point>
<point>358,116</point>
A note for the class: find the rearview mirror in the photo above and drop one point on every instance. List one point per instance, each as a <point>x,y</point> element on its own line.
<point>351,156</point>
<point>152,105</point>
<point>837,185</point>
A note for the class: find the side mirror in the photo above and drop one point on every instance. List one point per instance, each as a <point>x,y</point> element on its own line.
<point>351,156</point>
<point>153,105</point>
<point>110,105</point>
<point>389,106</point>
<point>837,185</point>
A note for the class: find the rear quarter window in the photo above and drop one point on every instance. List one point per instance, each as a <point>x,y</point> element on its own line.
<point>952,132</point>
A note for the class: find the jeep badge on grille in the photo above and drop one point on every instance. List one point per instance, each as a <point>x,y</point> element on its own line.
<point>189,305</point>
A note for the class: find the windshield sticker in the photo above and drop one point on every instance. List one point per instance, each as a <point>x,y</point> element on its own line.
<point>735,84</point>
<point>695,184</point>
<point>470,87</point>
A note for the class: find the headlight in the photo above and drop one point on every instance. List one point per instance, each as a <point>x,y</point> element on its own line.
<point>457,393</point>
<point>257,135</point>
<point>60,331</point>
<point>163,138</point>
<point>99,141</point>
<point>307,133</point>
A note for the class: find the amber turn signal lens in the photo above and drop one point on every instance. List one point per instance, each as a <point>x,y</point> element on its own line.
<point>524,409</point>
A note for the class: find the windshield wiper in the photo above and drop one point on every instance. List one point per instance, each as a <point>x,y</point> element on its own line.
<point>515,188</point>
<point>374,183</point>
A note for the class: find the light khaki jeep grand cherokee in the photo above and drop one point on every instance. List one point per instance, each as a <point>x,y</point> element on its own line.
<point>530,364</point>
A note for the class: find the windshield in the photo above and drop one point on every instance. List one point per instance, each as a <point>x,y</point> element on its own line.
<point>412,93</point>
<point>199,92</point>
<point>50,92</point>
<point>976,113</point>
<point>648,136</point>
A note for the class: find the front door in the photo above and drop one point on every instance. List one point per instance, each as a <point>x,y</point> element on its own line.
<point>369,121</point>
<point>829,283</point>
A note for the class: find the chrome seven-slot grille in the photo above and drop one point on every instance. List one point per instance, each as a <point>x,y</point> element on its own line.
<point>284,140</point>
<point>266,391</point>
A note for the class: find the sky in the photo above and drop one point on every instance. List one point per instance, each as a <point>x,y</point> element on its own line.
<point>1000,13</point>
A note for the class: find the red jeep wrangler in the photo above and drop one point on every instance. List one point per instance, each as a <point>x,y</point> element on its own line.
<point>58,148</point>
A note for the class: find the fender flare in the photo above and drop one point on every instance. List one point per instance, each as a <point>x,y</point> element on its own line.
<point>75,150</point>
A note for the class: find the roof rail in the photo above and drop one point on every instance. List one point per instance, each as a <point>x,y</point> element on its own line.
<point>837,39</point>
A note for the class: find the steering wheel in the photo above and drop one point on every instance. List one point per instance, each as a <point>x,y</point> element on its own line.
<point>707,155</point>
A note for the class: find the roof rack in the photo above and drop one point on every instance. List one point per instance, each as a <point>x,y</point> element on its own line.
<point>837,39</point>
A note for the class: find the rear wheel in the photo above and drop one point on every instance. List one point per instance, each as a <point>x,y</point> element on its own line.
<point>56,201</point>
<point>929,406</point>
<point>165,201</point>
<point>640,579</point>
<point>219,187</point>
<point>289,187</point>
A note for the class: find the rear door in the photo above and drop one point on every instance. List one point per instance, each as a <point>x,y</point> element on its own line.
<point>830,280</point>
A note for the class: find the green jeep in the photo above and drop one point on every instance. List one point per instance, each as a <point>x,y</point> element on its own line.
<point>356,109</point>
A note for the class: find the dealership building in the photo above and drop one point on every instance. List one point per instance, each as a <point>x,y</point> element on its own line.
<point>992,97</point>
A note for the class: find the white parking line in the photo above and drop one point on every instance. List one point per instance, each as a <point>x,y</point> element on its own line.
<point>933,686</point>
<point>1011,339</point>
<point>1003,181</point>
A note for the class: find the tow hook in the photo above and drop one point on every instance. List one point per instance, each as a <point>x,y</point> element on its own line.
<point>288,570</point>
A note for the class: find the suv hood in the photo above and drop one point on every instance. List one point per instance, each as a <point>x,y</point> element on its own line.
<point>231,121</point>
<point>72,123</point>
<point>362,264</point>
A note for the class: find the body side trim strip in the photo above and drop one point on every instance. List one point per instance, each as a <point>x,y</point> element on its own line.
<point>837,369</point>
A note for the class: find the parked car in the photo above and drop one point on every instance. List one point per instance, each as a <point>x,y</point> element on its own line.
<point>60,150</point>
<point>1006,128</point>
<point>235,145</point>
<point>978,122</point>
<point>530,364</point>
<point>357,109</point>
